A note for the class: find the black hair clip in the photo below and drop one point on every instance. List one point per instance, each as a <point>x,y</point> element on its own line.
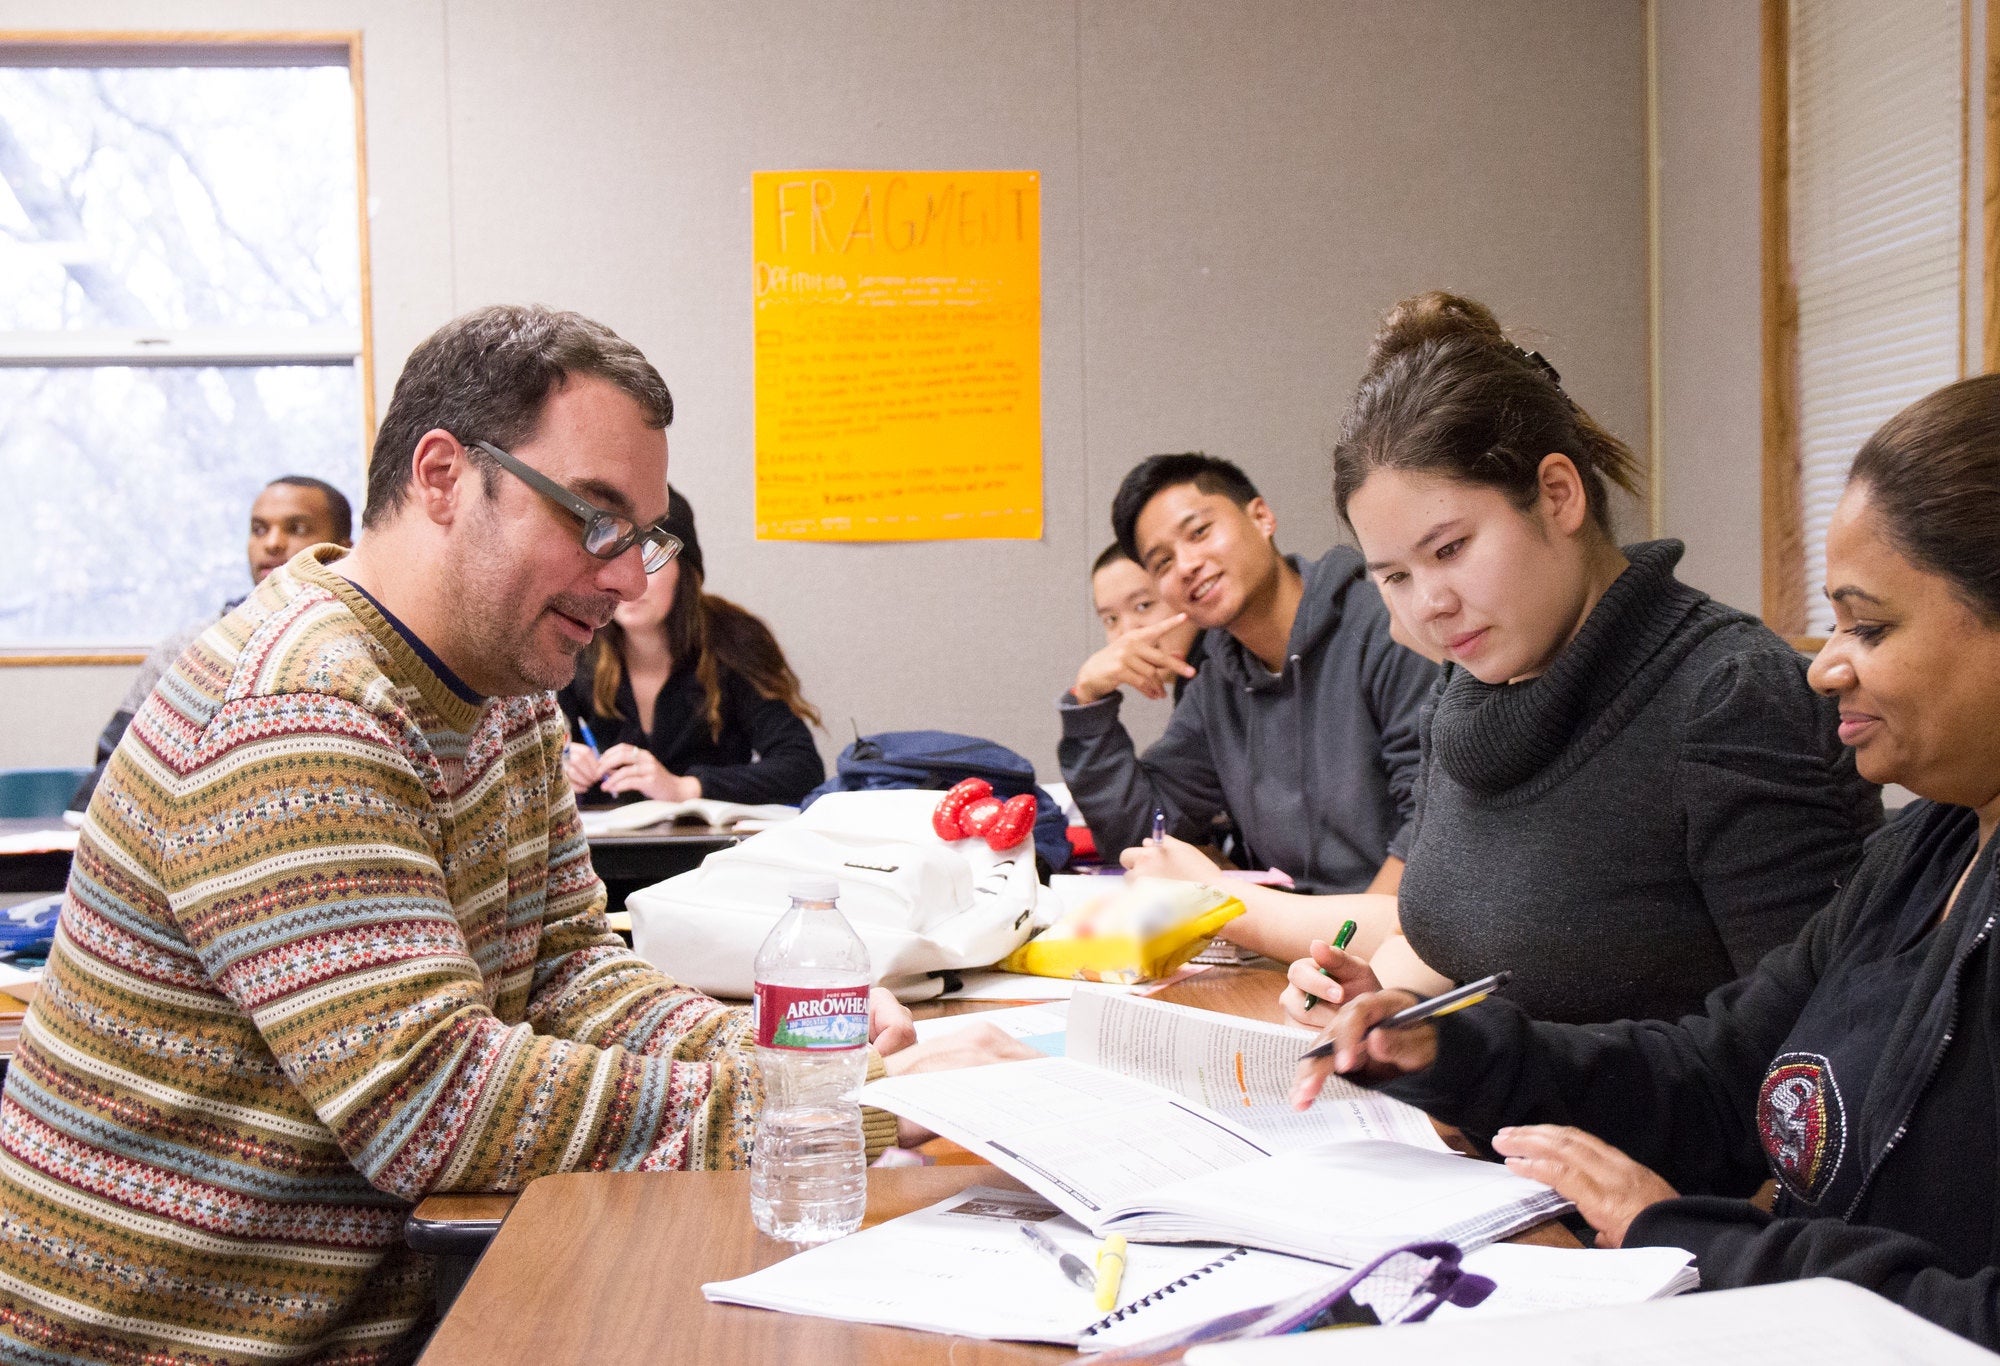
<point>1541,363</point>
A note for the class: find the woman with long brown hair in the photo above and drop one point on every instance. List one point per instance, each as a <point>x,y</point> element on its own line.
<point>688,695</point>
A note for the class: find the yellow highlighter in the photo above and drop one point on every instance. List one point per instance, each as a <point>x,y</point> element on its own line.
<point>1110,1271</point>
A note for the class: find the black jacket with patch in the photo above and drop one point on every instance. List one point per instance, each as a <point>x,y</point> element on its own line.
<point>1715,1103</point>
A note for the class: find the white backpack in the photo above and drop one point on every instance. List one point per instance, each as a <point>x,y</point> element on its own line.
<point>920,904</point>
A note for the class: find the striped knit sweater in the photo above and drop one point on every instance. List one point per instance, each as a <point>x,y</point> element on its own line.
<point>332,941</point>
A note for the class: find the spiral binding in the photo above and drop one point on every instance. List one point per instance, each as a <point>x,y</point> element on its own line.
<point>1131,1310</point>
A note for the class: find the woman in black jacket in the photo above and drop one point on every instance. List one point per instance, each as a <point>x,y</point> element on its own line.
<point>688,695</point>
<point>1859,1065</point>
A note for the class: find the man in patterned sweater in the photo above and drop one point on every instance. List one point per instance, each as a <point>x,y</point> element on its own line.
<point>332,940</point>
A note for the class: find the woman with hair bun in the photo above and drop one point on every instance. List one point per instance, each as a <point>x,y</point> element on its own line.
<point>1629,794</point>
<point>1860,1064</point>
<point>689,696</point>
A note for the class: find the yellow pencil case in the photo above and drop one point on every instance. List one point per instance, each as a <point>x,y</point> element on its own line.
<point>1136,934</point>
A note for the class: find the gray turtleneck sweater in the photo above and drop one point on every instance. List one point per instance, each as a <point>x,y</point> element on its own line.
<point>1640,824</point>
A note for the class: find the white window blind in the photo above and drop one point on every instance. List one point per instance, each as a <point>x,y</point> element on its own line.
<point>1876,208</point>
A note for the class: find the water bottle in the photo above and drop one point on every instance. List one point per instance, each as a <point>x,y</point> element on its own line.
<point>808,1167</point>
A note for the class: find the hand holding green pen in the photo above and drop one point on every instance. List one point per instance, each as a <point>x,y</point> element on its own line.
<point>1340,941</point>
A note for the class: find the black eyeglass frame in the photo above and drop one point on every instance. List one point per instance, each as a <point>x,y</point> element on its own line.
<point>605,534</point>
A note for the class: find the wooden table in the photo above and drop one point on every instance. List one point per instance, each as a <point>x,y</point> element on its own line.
<point>607,1268</point>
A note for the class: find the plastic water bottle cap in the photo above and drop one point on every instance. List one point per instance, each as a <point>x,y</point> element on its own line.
<point>815,889</point>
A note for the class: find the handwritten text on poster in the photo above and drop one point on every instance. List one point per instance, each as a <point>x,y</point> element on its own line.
<point>898,355</point>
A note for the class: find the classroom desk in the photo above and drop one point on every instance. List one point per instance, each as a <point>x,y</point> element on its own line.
<point>626,861</point>
<point>607,1267</point>
<point>632,859</point>
<point>32,872</point>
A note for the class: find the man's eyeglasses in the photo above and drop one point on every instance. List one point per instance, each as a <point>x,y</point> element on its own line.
<point>605,534</point>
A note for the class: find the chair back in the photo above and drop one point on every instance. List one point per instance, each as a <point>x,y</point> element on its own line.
<point>38,791</point>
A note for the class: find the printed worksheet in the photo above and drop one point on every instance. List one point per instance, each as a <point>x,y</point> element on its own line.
<point>1088,1139</point>
<point>1239,1068</point>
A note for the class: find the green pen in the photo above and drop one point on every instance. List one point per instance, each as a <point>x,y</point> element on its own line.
<point>1340,941</point>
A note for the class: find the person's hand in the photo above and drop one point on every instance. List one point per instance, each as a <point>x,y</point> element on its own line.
<point>891,1028</point>
<point>1170,858</point>
<point>1373,1057</point>
<point>973,1046</point>
<point>1136,660</point>
<point>1608,1188</point>
<point>628,768</point>
<point>1345,978</point>
<point>581,767</point>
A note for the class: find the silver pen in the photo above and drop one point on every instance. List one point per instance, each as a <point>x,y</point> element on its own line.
<point>1072,1265</point>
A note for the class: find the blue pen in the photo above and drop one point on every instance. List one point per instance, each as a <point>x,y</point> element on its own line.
<point>1159,825</point>
<point>588,738</point>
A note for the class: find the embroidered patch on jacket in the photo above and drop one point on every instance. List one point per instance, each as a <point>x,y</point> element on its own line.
<point>1802,1124</point>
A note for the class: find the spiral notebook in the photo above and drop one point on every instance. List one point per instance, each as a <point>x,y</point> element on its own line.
<point>962,1267</point>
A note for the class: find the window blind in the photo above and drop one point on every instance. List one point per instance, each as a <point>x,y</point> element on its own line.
<point>1876,207</point>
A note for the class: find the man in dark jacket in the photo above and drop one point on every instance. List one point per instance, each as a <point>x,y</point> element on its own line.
<point>1301,723</point>
<point>292,512</point>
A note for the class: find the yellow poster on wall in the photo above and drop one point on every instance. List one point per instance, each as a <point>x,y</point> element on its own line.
<point>898,355</point>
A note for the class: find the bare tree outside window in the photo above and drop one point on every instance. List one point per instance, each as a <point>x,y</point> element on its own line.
<point>203,219</point>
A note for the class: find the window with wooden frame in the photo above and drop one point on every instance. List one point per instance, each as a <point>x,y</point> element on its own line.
<point>183,318</point>
<point>1865,115</point>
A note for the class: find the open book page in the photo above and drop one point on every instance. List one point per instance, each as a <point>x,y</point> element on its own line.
<point>1346,1201</point>
<point>613,820</point>
<point>962,1267</point>
<point>1827,1323</point>
<point>1536,1280</point>
<point>1236,1067</point>
<point>1041,1027</point>
<point>1089,1140</point>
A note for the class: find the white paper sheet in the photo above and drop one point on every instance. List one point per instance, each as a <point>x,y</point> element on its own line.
<point>1239,1068</point>
<point>1539,1280</point>
<point>1084,1137</point>
<point>1824,1322</point>
<point>962,1267</point>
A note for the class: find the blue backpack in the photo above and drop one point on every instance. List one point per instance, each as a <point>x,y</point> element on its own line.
<point>940,759</point>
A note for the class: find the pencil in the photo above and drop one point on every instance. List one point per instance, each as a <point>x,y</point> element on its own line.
<point>1444,1003</point>
<point>1340,941</point>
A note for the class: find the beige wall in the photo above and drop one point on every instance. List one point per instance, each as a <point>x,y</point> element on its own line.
<point>1711,361</point>
<point>1232,193</point>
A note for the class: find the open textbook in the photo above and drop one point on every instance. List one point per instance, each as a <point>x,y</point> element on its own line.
<point>1241,1068</point>
<point>613,820</point>
<point>1188,1141</point>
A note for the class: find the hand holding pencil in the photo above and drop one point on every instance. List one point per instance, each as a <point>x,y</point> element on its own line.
<point>1382,1035</point>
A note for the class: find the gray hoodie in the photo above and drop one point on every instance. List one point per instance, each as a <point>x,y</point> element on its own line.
<point>1315,764</point>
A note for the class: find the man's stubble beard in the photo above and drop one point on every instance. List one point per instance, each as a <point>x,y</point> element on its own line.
<point>483,605</point>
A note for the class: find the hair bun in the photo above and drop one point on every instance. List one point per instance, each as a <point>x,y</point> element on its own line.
<point>1434,315</point>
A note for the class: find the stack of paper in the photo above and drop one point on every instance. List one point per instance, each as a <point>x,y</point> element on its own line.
<point>1536,1280</point>
<point>962,1267</point>
<point>1826,1323</point>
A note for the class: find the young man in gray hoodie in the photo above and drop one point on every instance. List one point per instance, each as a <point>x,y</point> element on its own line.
<point>1301,723</point>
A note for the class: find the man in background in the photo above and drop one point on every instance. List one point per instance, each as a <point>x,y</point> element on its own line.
<point>293,512</point>
<point>1301,724</point>
<point>1146,642</point>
